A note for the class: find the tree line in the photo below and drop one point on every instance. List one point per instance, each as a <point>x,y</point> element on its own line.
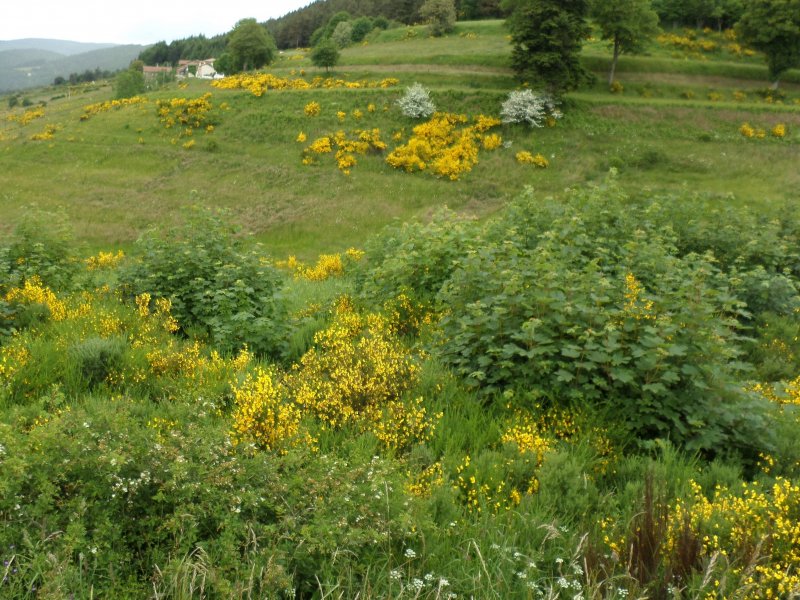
<point>547,35</point>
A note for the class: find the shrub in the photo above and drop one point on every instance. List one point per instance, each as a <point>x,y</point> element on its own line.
<point>218,289</point>
<point>42,245</point>
<point>582,306</point>
<point>96,358</point>
<point>441,14</point>
<point>342,36</point>
<point>527,107</point>
<point>416,258</point>
<point>416,103</point>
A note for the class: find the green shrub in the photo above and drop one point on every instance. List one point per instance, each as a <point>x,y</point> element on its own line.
<point>416,258</point>
<point>42,245</point>
<point>95,358</point>
<point>594,300</point>
<point>218,288</point>
<point>114,500</point>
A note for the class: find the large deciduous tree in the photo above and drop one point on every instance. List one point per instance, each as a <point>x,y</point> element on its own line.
<point>325,54</point>
<point>773,27</point>
<point>626,24</point>
<point>440,14</point>
<point>547,37</point>
<point>250,46</point>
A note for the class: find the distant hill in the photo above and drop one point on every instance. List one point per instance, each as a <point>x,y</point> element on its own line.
<point>31,63</point>
<point>63,47</point>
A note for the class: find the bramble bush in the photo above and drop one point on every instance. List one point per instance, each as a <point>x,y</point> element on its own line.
<point>111,498</point>
<point>415,258</point>
<point>590,302</point>
<point>42,245</point>
<point>218,289</point>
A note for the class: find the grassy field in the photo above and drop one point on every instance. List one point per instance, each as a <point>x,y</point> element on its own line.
<point>118,173</point>
<point>570,382</point>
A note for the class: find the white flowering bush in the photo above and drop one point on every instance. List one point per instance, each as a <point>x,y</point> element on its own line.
<point>416,102</point>
<point>527,107</point>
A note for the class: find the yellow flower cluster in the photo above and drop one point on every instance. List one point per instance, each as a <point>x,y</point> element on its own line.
<point>739,50</point>
<point>405,316</point>
<point>492,141</point>
<point>635,306</point>
<point>328,265</point>
<point>47,134</point>
<point>33,292</point>
<point>489,490</point>
<point>442,148</point>
<point>749,131</point>
<point>347,147</point>
<point>263,415</point>
<point>357,373</point>
<point>101,107</point>
<point>260,83</point>
<point>312,109</point>
<point>529,440</point>
<point>537,160</point>
<point>162,313</point>
<point>154,356</point>
<point>189,113</point>
<point>782,394</point>
<point>757,530</point>
<point>29,115</point>
<point>12,358</point>
<point>421,484</point>
<point>687,42</point>
<point>104,260</point>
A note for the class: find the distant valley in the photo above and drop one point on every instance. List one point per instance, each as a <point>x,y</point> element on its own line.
<point>28,63</point>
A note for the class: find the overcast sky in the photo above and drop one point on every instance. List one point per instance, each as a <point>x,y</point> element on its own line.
<point>139,22</point>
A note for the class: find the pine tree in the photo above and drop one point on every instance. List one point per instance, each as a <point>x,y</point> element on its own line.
<point>547,36</point>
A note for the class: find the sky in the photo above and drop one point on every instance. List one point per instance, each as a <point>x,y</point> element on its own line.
<point>140,22</point>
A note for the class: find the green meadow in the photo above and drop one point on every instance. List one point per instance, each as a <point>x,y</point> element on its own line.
<point>244,356</point>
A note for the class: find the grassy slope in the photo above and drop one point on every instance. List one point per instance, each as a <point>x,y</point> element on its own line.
<point>114,187</point>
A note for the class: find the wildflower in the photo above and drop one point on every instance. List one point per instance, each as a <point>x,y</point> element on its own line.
<point>779,130</point>
<point>525,157</point>
<point>301,137</point>
<point>312,109</point>
<point>409,553</point>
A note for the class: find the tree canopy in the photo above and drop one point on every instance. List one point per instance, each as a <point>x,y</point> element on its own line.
<point>440,15</point>
<point>326,54</point>
<point>250,46</point>
<point>626,24</point>
<point>773,27</point>
<point>547,37</point>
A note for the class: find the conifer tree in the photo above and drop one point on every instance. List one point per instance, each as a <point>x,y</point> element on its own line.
<point>547,36</point>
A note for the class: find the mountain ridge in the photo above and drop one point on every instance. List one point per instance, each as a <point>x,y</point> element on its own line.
<point>25,65</point>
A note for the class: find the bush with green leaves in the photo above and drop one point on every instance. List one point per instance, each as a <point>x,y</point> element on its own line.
<point>589,302</point>
<point>325,54</point>
<point>42,245</point>
<point>117,497</point>
<point>416,102</point>
<point>416,258</point>
<point>219,289</point>
<point>440,14</point>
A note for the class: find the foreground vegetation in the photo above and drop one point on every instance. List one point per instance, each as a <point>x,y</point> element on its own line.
<point>339,388</point>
